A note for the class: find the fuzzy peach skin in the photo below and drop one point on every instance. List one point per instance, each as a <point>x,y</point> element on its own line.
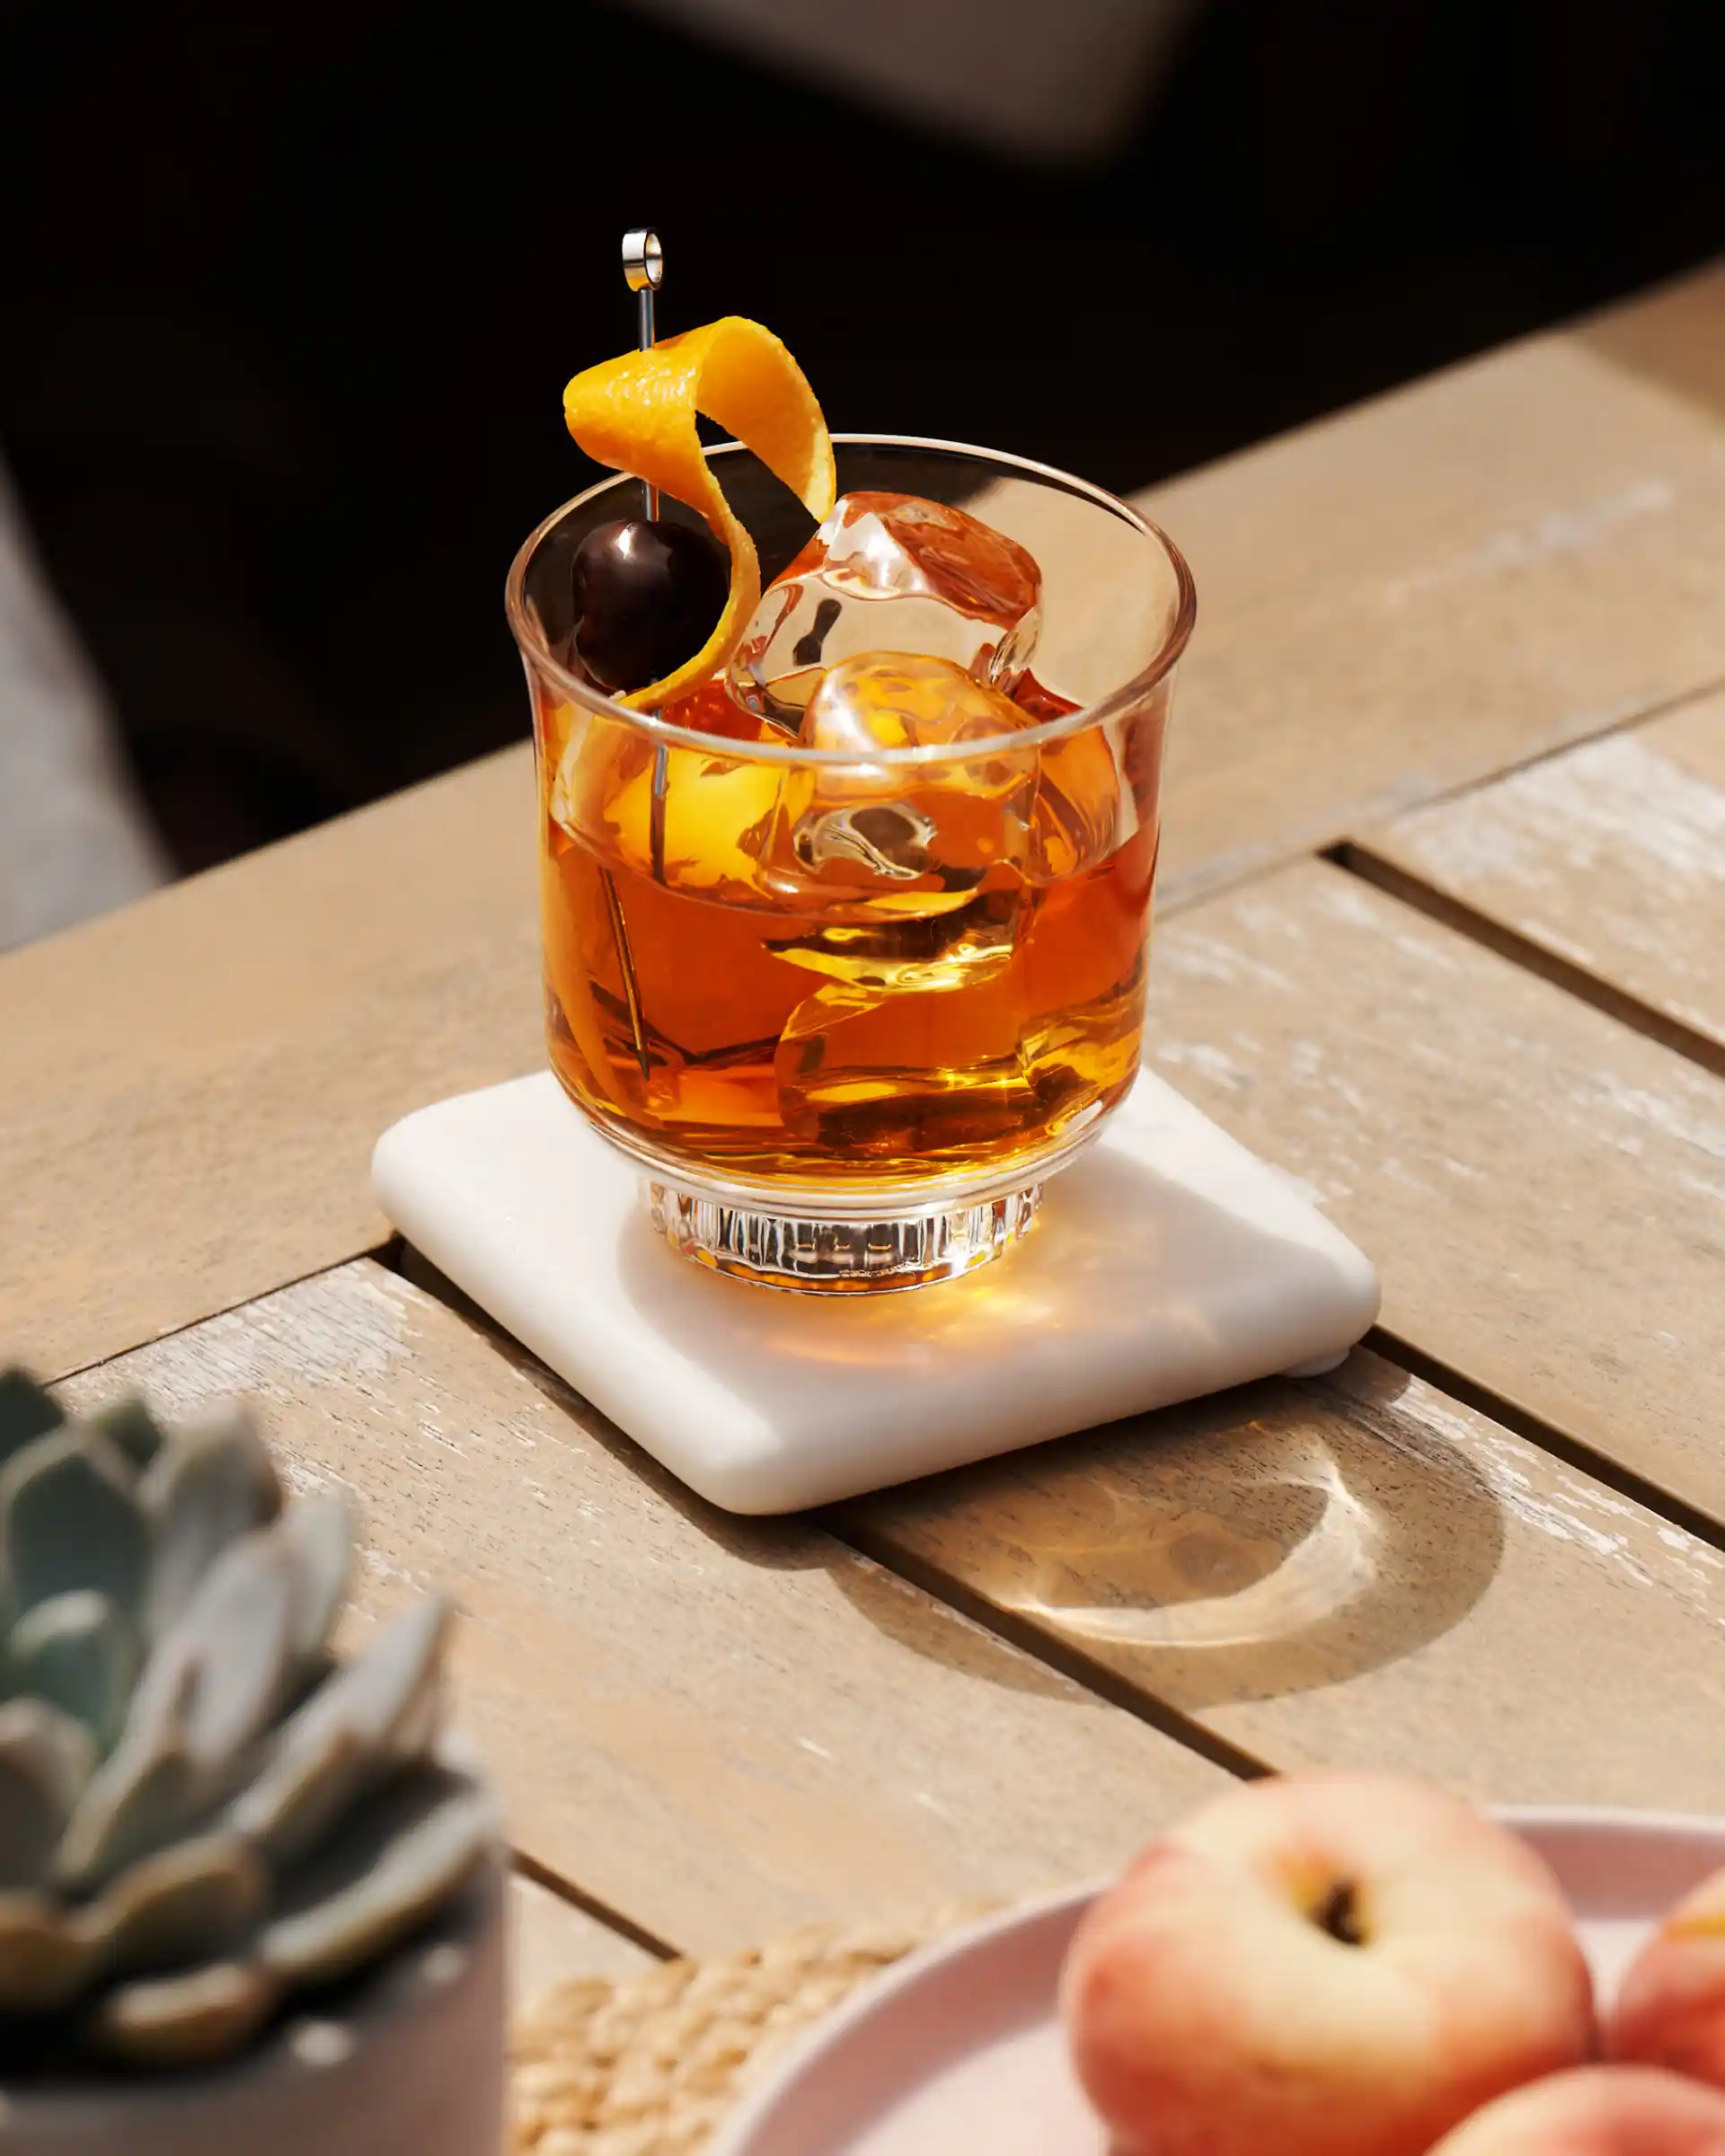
<point>1327,1965</point>
<point>1670,2008</point>
<point>1598,2111</point>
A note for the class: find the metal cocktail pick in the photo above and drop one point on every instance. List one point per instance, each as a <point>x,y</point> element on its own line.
<point>643,272</point>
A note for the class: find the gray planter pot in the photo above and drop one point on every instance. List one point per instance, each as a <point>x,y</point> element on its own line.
<point>412,2064</point>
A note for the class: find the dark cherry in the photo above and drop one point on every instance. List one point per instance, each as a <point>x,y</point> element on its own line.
<point>647,595</point>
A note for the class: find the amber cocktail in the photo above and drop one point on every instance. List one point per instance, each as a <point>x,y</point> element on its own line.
<point>846,948</point>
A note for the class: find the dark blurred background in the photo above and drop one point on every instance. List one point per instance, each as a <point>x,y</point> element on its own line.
<point>290,290</point>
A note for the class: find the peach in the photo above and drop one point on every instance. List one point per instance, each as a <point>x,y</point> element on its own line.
<point>1328,1965</point>
<point>1670,2008</point>
<point>1598,2111</point>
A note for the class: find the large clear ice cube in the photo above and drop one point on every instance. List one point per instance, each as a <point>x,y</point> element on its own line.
<point>889,572</point>
<point>917,873</point>
<point>890,699</point>
<point>935,827</point>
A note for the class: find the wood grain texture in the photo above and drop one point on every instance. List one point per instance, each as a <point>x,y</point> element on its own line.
<point>1357,1572</point>
<point>716,1727</point>
<point>552,1941</point>
<point>1611,857</point>
<point>1430,587</point>
<point>1542,1189</point>
<point>189,1089</point>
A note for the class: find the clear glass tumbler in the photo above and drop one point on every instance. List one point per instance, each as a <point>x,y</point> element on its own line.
<point>847,1012</point>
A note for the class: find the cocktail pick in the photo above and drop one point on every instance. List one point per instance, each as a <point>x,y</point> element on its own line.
<point>643,272</point>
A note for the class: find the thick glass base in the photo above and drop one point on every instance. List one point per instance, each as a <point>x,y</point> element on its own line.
<point>841,1257</point>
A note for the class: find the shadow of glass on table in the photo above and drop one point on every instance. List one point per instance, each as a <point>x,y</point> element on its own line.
<point>1260,1542</point>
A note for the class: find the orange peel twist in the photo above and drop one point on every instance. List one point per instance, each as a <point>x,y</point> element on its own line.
<point>637,413</point>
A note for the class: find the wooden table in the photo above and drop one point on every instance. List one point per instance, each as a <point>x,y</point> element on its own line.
<point>1442,933</point>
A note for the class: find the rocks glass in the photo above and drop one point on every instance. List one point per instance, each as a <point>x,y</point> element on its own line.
<point>849,1007</point>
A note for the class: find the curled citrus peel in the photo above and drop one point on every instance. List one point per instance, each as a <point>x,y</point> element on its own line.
<point>637,413</point>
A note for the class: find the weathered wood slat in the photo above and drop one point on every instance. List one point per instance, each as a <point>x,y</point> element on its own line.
<point>1487,565</point>
<point>1611,857</point>
<point>1359,1572</point>
<point>1446,581</point>
<point>1543,1187</point>
<point>189,1089</point>
<point>717,1728</point>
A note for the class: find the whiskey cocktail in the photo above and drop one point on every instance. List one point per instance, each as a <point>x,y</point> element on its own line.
<point>845,925</point>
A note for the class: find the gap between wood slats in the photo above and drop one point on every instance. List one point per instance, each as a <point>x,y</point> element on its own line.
<point>1357,857</point>
<point>1044,1646</point>
<point>834,1521</point>
<point>1627,720</point>
<point>1203,882</point>
<point>1070,1660</point>
<point>589,1904</point>
<point>1067,1658</point>
<point>1180,890</point>
<point>1600,1467</point>
<point>1610,1002</point>
<point>386,1254</point>
<point>400,1257</point>
<point>395,1254</point>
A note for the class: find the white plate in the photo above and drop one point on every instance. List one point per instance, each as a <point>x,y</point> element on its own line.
<point>959,2047</point>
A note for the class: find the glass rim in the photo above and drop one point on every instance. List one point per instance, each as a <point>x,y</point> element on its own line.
<point>1116,704</point>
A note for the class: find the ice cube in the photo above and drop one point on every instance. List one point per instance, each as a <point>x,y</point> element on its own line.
<point>905,1075</point>
<point>884,1044</point>
<point>968,940</point>
<point>917,872</point>
<point>889,572</point>
<point>936,827</point>
<point>891,698</point>
<point>1084,807</point>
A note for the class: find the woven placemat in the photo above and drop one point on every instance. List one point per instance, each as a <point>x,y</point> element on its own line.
<point>651,2066</point>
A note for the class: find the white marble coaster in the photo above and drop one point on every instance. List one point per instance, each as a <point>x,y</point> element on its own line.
<point>1168,1262</point>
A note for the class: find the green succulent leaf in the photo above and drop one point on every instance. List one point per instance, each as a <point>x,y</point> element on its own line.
<point>46,1760</point>
<point>27,1412</point>
<point>43,1962</point>
<point>392,1862</point>
<point>130,1427</point>
<point>185,2020</point>
<point>79,1653</point>
<point>320,1533</point>
<point>201,1808</point>
<point>206,1489</point>
<point>210,1693</point>
<point>223,1674</point>
<point>140,1799</point>
<point>177,1908</point>
<point>357,1729</point>
<point>70,1521</point>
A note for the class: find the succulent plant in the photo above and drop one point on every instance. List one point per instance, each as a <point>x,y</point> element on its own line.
<point>202,1811</point>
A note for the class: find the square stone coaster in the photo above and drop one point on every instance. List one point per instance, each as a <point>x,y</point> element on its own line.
<point>1167,1262</point>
